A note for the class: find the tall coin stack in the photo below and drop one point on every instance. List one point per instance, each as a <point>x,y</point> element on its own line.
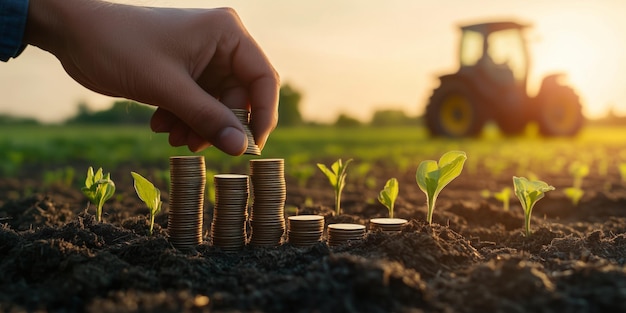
<point>268,209</point>
<point>305,230</point>
<point>244,118</point>
<point>342,233</point>
<point>228,230</point>
<point>187,183</point>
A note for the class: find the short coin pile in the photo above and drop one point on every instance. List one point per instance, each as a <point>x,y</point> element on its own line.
<point>342,233</point>
<point>244,118</point>
<point>228,230</point>
<point>387,224</point>
<point>187,183</point>
<point>305,230</point>
<point>267,218</point>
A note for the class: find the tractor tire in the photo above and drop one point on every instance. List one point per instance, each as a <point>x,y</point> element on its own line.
<point>454,111</point>
<point>559,112</point>
<point>513,121</point>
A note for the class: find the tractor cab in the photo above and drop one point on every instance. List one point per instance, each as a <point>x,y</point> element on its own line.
<point>491,85</point>
<point>496,50</point>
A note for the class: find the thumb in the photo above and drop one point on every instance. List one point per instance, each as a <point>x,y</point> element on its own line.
<point>205,115</point>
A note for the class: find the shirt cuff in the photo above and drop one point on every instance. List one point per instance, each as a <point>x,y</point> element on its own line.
<point>13,14</point>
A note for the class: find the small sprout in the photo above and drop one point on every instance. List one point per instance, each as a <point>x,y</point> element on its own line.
<point>370,182</point>
<point>432,177</point>
<point>337,177</point>
<point>622,171</point>
<point>362,169</point>
<point>389,194</point>
<point>504,196</point>
<point>302,173</point>
<point>98,189</point>
<point>578,171</point>
<point>574,194</point>
<point>149,194</point>
<point>603,167</point>
<point>529,192</point>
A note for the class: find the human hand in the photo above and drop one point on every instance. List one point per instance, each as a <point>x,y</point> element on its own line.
<point>194,64</point>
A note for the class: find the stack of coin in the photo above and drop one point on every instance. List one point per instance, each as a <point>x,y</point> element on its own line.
<point>305,230</point>
<point>228,230</point>
<point>342,233</point>
<point>187,183</point>
<point>244,118</point>
<point>388,225</point>
<point>269,194</point>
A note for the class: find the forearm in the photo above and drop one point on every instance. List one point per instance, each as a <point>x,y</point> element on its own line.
<point>52,22</point>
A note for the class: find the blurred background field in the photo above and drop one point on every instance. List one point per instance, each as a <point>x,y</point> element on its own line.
<point>34,151</point>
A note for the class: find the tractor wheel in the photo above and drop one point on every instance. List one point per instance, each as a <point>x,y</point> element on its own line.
<point>453,111</point>
<point>513,122</point>
<point>559,112</point>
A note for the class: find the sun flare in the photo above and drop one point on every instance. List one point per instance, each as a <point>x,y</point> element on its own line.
<point>587,51</point>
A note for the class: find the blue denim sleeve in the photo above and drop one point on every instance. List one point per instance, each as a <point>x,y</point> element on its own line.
<point>12,23</point>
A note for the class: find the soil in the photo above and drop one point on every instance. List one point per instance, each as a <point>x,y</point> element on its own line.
<point>56,257</point>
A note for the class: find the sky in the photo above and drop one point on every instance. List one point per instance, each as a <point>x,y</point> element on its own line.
<point>359,56</point>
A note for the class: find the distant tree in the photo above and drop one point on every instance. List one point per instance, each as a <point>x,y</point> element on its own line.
<point>384,118</point>
<point>121,112</point>
<point>344,120</point>
<point>289,106</point>
<point>7,119</point>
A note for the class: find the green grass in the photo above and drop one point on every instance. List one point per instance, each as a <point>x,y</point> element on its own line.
<point>403,147</point>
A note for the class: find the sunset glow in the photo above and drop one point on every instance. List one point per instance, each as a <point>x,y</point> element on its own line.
<point>356,57</point>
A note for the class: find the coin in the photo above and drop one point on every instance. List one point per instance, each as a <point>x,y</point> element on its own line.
<point>344,232</point>
<point>187,186</point>
<point>228,229</point>
<point>244,118</point>
<point>387,224</point>
<point>269,191</point>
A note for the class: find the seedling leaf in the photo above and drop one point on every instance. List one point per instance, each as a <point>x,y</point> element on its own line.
<point>433,176</point>
<point>98,189</point>
<point>389,194</point>
<point>529,192</point>
<point>337,178</point>
<point>149,194</point>
<point>574,194</point>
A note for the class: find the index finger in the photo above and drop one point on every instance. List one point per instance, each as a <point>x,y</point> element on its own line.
<point>254,70</point>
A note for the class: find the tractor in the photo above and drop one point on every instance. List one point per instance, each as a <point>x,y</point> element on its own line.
<point>491,85</point>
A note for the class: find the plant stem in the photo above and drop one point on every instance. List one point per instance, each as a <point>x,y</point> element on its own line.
<point>337,202</point>
<point>99,212</point>
<point>527,224</point>
<point>151,223</point>
<point>431,208</point>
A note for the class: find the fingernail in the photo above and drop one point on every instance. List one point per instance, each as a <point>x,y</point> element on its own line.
<point>232,141</point>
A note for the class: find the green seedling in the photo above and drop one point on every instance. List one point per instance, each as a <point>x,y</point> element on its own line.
<point>529,192</point>
<point>361,170</point>
<point>149,194</point>
<point>433,176</point>
<point>337,177</point>
<point>622,171</point>
<point>389,194</point>
<point>504,196</point>
<point>98,189</point>
<point>574,194</point>
<point>302,173</point>
<point>603,167</point>
<point>578,171</point>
